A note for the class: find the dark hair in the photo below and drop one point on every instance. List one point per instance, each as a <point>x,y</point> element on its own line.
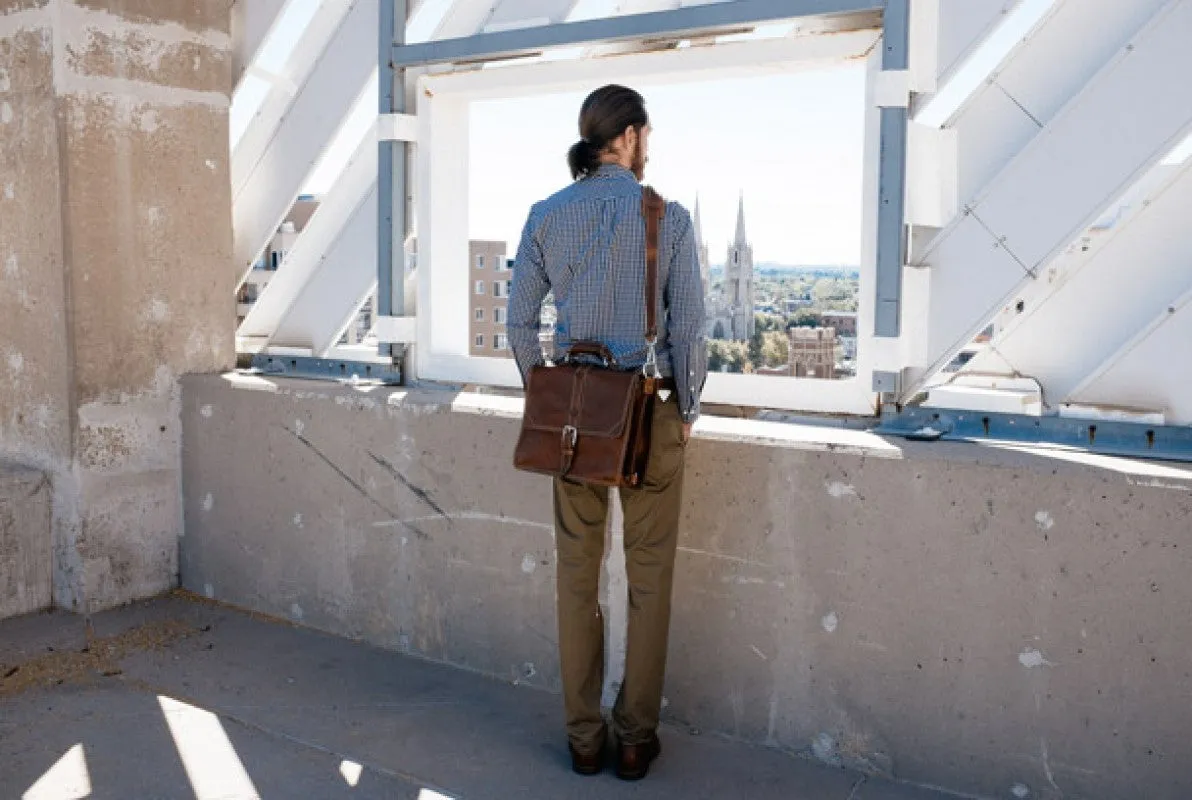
<point>604,116</point>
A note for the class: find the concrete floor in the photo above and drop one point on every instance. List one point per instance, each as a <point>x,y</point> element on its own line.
<point>176,699</point>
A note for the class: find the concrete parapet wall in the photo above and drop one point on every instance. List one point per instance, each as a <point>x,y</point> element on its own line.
<point>987,620</point>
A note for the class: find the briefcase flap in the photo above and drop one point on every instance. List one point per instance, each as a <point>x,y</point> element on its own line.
<point>596,402</point>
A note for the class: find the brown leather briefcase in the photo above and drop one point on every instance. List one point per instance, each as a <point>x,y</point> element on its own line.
<point>591,423</point>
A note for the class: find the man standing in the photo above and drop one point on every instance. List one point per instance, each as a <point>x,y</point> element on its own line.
<point>587,244</point>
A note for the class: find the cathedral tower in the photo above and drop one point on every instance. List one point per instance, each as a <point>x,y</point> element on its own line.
<point>738,279</point>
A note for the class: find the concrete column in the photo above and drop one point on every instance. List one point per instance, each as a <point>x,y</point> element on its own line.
<point>115,268</point>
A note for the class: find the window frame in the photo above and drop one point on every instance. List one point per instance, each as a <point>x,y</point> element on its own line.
<point>443,117</point>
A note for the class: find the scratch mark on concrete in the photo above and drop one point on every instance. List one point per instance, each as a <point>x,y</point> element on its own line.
<point>1155,483</point>
<point>1047,766</point>
<point>467,515</point>
<point>353,483</point>
<point>41,484</point>
<point>759,653</point>
<point>417,491</point>
<point>460,562</point>
<point>723,557</point>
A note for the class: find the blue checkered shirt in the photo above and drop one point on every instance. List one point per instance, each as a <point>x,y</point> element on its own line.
<point>587,245</point>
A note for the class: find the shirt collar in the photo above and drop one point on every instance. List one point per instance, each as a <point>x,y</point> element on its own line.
<point>614,171</point>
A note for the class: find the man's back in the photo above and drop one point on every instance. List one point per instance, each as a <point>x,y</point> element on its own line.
<point>586,244</point>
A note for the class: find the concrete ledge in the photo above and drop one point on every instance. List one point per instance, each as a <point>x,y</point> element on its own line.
<point>25,541</point>
<point>980,618</point>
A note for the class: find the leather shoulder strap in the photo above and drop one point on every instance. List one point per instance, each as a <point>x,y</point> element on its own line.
<point>653,209</point>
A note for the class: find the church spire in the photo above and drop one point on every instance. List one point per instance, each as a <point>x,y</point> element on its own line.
<point>741,239</point>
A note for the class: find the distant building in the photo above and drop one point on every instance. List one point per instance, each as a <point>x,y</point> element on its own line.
<point>491,278</point>
<point>813,353</point>
<point>793,304</point>
<point>845,322</point>
<point>275,254</point>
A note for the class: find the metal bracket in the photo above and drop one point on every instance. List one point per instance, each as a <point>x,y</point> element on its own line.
<point>324,369</point>
<point>1102,437</point>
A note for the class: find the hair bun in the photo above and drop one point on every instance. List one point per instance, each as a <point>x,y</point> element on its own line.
<point>583,158</point>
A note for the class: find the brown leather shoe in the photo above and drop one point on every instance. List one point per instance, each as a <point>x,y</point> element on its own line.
<point>586,764</point>
<point>633,760</point>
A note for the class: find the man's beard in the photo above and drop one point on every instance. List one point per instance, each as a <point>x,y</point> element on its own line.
<point>639,160</point>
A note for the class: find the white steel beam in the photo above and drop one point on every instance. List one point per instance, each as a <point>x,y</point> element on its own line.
<point>1039,77</point>
<point>442,345</point>
<point>677,23</point>
<point>738,59</point>
<point>962,26</point>
<point>311,44</point>
<point>337,242</point>
<point>333,296</point>
<point>1128,117</point>
<point>271,166</point>
<point>252,20</point>
<point>1093,300</point>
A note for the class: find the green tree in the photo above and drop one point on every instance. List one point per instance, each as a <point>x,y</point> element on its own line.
<point>776,352</point>
<point>736,356</point>
<point>804,318</point>
<point>716,356</point>
<point>754,351</point>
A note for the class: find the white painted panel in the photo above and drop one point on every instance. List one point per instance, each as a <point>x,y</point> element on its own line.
<point>270,187</point>
<point>1071,45</point>
<point>312,246</point>
<point>1068,48</point>
<point>251,23</point>
<point>931,167</point>
<point>963,26</point>
<point>1152,372</point>
<point>1128,117</point>
<point>1088,305</point>
<point>970,274</point>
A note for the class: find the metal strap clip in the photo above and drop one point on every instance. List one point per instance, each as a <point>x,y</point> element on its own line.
<point>570,437</point>
<point>650,368</point>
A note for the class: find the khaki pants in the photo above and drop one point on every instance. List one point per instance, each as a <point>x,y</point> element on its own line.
<point>651,536</point>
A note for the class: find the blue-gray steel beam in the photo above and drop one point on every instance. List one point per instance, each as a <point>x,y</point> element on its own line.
<point>666,24</point>
<point>891,227</point>
<point>392,211</point>
<point>1106,437</point>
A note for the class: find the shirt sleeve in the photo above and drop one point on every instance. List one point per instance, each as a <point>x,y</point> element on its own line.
<point>530,286</point>
<point>684,297</point>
